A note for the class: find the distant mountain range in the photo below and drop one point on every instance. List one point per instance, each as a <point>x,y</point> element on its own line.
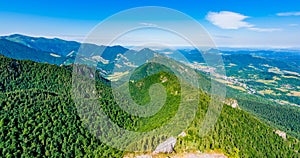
<point>53,51</point>
<point>250,70</point>
<point>58,51</point>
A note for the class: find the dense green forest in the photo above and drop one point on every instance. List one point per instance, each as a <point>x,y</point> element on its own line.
<point>38,118</point>
<point>283,117</point>
<point>239,134</point>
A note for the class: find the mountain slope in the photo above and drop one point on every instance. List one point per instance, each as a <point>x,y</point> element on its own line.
<point>19,51</point>
<point>58,51</point>
<point>55,45</point>
<point>38,117</point>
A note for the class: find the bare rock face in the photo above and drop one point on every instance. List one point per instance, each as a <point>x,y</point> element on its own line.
<point>166,146</point>
<point>281,134</point>
<point>182,134</point>
<point>231,102</point>
<point>197,155</point>
<point>144,156</point>
<point>185,155</point>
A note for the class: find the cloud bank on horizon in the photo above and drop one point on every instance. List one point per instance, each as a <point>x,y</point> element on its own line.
<point>289,14</point>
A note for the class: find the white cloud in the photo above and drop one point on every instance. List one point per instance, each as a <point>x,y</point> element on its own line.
<point>148,24</point>
<point>232,20</point>
<point>293,25</point>
<point>228,20</point>
<point>222,36</point>
<point>288,14</point>
<point>264,29</point>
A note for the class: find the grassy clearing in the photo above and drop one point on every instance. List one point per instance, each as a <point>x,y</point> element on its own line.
<point>238,88</point>
<point>266,81</point>
<point>267,91</point>
<point>294,93</point>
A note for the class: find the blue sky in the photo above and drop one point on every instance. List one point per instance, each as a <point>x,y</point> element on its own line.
<point>231,23</point>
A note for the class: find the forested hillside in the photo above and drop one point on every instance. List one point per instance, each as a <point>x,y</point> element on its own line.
<point>39,118</point>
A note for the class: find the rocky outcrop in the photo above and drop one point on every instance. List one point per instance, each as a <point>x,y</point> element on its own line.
<point>182,155</point>
<point>182,134</point>
<point>231,102</point>
<point>281,134</point>
<point>166,146</point>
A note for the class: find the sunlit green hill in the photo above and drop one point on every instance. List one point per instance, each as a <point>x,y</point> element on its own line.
<point>38,117</point>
